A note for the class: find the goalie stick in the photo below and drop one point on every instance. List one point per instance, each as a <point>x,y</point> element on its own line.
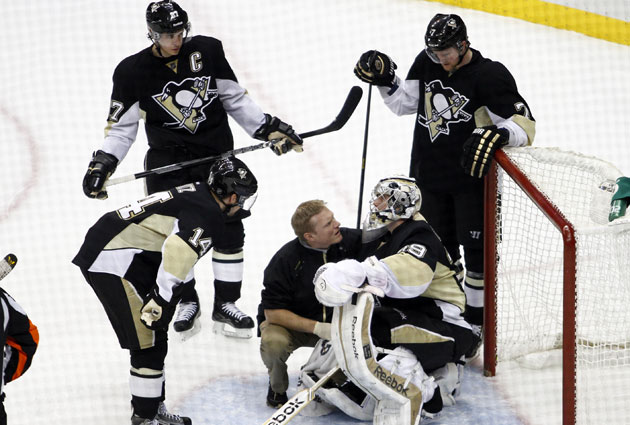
<point>352,100</point>
<point>291,408</point>
<point>7,264</point>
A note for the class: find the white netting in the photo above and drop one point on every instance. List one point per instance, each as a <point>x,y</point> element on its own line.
<point>530,276</point>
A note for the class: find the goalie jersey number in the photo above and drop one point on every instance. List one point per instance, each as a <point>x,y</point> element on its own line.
<point>415,250</point>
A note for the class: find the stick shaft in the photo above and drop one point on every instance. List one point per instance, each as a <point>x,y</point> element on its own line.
<point>350,104</point>
<point>364,157</point>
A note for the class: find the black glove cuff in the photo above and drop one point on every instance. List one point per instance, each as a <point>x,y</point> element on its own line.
<point>108,161</point>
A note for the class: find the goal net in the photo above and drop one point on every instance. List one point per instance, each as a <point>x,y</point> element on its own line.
<point>558,279</point>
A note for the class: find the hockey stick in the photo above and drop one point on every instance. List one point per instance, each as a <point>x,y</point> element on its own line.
<point>291,408</point>
<point>7,264</point>
<point>354,96</point>
<point>364,157</point>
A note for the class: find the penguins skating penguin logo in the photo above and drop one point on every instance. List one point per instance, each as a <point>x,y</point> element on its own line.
<point>186,101</point>
<point>442,107</point>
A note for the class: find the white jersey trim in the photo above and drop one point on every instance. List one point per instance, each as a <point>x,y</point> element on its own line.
<point>240,106</point>
<point>120,135</point>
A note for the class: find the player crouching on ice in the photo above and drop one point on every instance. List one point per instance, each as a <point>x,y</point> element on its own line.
<point>400,347</point>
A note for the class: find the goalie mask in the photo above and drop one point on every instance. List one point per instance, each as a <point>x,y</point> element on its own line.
<point>393,198</point>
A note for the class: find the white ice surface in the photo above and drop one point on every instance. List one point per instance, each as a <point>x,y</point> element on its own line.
<point>296,59</point>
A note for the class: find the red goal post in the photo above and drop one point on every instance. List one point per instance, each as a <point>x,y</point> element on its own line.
<point>555,272</point>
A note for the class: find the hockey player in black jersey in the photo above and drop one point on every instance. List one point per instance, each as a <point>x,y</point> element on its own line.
<point>184,89</point>
<point>466,107</point>
<point>415,333</point>
<point>140,258</point>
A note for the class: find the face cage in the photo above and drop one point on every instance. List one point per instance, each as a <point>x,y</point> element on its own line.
<point>380,218</point>
<point>154,36</point>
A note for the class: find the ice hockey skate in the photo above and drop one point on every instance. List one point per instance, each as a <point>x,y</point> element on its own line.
<point>187,323</point>
<point>230,321</point>
<point>163,417</point>
<point>475,350</point>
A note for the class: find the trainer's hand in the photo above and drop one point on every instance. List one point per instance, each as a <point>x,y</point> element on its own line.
<point>281,134</point>
<point>322,330</point>
<point>156,313</point>
<point>376,68</point>
<point>480,147</point>
<point>100,168</point>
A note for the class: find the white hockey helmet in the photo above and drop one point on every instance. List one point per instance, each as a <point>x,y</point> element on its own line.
<point>393,198</point>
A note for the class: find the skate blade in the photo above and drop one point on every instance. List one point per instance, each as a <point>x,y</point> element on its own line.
<point>186,335</point>
<point>229,331</point>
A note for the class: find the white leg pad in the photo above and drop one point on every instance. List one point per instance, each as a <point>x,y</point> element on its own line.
<point>448,378</point>
<point>363,411</point>
<point>321,361</point>
<point>389,412</point>
<point>397,382</point>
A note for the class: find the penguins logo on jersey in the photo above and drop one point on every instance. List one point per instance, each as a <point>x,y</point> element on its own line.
<point>442,107</point>
<point>186,101</point>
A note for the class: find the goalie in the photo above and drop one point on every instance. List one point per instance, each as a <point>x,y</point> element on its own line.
<point>401,346</point>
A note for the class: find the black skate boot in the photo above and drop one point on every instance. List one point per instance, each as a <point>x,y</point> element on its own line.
<point>274,399</point>
<point>163,417</point>
<point>187,321</point>
<point>231,321</point>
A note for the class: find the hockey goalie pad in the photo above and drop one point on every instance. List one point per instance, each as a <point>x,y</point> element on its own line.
<point>321,361</point>
<point>448,379</point>
<point>397,382</point>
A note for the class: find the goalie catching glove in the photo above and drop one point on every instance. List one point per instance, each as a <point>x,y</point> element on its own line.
<point>100,168</point>
<point>480,147</point>
<point>282,136</point>
<point>156,312</point>
<point>376,68</point>
<point>335,283</point>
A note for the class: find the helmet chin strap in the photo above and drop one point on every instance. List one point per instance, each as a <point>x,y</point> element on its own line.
<point>461,57</point>
<point>226,207</point>
<point>155,43</point>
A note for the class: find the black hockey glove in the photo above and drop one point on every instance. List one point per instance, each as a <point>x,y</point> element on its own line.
<point>480,147</point>
<point>100,168</point>
<point>281,134</point>
<point>376,68</point>
<point>156,313</point>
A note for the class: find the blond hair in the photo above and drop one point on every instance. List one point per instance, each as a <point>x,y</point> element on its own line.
<point>301,219</point>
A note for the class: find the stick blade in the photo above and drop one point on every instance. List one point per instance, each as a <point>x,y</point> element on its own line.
<point>7,264</point>
<point>351,103</point>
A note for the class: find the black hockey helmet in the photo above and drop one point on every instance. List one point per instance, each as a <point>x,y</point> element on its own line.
<point>231,175</point>
<point>446,31</point>
<point>166,17</point>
